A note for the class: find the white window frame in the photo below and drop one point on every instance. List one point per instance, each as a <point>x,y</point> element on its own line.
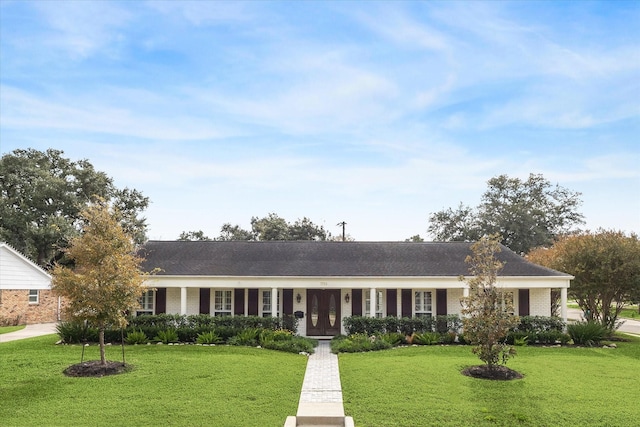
<point>266,303</point>
<point>379,303</point>
<point>222,302</point>
<point>147,303</point>
<point>34,296</point>
<point>423,303</point>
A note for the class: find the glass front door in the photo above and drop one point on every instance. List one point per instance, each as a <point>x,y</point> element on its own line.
<point>323,312</point>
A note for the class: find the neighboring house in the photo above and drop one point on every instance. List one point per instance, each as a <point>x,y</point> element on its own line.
<point>25,290</point>
<point>323,282</point>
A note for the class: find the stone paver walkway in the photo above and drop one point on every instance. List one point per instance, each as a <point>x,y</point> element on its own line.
<point>322,377</point>
<point>321,396</point>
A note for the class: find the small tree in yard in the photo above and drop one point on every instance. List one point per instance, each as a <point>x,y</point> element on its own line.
<point>105,281</point>
<point>487,310</point>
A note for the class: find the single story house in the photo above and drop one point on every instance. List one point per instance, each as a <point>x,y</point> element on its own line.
<point>322,282</point>
<point>25,290</point>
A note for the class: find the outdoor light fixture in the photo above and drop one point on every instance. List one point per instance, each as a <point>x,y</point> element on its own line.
<point>298,297</point>
<point>346,298</point>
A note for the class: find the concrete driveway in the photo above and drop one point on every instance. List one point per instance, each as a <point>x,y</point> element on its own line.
<point>629,326</point>
<point>30,331</point>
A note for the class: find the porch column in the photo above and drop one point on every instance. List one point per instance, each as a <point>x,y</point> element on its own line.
<point>183,301</point>
<point>563,304</point>
<point>274,302</point>
<point>372,302</point>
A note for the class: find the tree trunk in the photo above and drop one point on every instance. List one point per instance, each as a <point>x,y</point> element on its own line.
<point>103,359</point>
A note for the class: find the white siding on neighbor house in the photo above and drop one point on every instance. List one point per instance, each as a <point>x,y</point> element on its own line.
<point>18,272</point>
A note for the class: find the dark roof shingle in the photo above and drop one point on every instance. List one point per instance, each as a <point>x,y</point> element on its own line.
<point>322,259</point>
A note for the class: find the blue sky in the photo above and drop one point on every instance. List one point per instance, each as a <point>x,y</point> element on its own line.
<point>373,113</point>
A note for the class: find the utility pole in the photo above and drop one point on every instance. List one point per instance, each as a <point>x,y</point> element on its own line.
<point>342,224</point>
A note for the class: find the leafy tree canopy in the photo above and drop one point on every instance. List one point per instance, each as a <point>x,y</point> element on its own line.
<point>606,266</point>
<point>193,235</point>
<point>42,195</point>
<point>526,214</point>
<point>487,310</point>
<point>270,227</point>
<point>105,281</point>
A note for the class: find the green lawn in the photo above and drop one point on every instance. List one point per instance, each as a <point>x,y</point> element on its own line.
<point>7,329</point>
<point>630,312</point>
<point>422,386</point>
<point>170,386</point>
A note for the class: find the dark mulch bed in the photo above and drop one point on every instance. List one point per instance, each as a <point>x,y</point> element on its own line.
<point>94,368</point>
<point>500,373</point>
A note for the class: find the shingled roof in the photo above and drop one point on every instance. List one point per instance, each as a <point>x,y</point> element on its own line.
<point>323,259</point>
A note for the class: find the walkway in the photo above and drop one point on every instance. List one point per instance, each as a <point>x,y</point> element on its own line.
<point>321,397</point>
<point>30,331</point>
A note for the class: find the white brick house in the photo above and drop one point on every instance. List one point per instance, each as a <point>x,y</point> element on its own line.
<point>323,282</point>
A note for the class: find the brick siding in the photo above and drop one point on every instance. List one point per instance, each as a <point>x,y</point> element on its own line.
<point>15,307</point>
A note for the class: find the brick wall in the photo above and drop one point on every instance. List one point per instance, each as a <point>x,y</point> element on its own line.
<point>15,306</point>
<point>540,302</point>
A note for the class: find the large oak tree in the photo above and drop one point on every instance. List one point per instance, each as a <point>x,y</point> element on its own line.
<point>42,195</point>
<point>526,214</point>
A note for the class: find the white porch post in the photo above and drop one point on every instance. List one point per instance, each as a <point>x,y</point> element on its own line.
<point>373,294</point>
<point>563,304</point>
<point>274,302</point>
<point>183,301</point>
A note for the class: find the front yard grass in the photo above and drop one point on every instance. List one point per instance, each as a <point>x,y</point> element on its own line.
<point>422,386</point>
<point>170,385</point>
<point>7,329</point>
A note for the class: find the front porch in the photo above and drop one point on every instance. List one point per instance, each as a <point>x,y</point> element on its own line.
<point>320,311</point>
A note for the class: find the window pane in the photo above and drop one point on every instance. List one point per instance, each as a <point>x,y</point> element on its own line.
<point>33,296</point>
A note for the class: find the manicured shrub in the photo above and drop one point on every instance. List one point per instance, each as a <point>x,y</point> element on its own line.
<point>246,337</point>
<point>292,344</point>
<point>358,343</point>
<point>426,338</point>
<point>209,337</point>
<point>587,333</point>
<point>136,337</point>
<point>537,324</point>
<point>448,337</point>
<point>393,338</point>
<point>76,332</point>
<point>552,337</point>
<point>514,336</point>
<point>167,336</point>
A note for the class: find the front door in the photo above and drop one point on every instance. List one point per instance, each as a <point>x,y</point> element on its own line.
<point>323,312</point>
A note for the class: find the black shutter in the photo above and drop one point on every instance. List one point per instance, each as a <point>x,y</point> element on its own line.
<point>161,300</point>
<point>406,303</point>
<point>287,301</point>
<point>238,302</point>
<point>441,302</point>
<point>205,301</point>
<point>523,302</point>
<point>253,302</point>
<point>356,302</point>
<point>392,302</point>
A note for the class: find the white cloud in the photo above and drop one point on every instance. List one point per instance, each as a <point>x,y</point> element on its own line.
<point>83,28</point>
<point>86,114</point>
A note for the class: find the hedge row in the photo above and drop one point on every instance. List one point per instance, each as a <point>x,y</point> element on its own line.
<point>441,324</point>
<point>187,328</point>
